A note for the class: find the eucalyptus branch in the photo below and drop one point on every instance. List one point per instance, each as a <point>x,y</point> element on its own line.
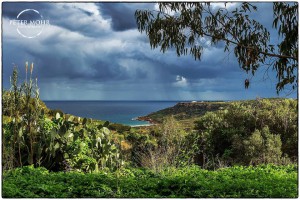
<point>249,38</point>
<point>252,48</point>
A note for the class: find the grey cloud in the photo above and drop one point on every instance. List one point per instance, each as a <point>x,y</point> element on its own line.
<point>60,14</point>
<point>108,71</point>
<point>72,68</point>
<point>12,9</point>
<point>122,15</point>
<point>68,63</point>
<point>78,20</point>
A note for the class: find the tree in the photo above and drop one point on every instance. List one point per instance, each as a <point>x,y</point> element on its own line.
<point>182,26</point>
<point>263,147</point>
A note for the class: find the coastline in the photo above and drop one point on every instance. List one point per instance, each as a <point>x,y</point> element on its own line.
<point>144,119</point>
<point>119,112</point>
<point>147,119</point>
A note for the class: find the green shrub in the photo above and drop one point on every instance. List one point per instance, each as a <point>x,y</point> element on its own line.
<point>264,181</point>
<point>59,142</point>
<point>54,111</point>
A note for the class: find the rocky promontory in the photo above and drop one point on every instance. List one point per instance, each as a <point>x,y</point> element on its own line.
<point>184,110</point>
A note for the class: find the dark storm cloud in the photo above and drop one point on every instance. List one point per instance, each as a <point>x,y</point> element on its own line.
<point>78,19</point>
<point>122,15</point>
<point>12,9</point>
<point>107,71</point>
<point>64,15</point>
<point>53,66</point>
<point>66,62</point>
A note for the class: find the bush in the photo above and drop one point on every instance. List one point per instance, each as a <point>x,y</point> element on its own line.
<point>165,145</point>
<point>263,147</point>
<point>53,112</point>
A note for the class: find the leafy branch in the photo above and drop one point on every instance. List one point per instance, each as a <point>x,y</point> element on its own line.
<point>180,26</point>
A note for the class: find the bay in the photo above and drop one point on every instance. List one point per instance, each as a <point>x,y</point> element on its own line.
<point>123,112</point>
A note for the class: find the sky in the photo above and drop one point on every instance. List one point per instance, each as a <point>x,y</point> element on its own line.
<point>93,51</point>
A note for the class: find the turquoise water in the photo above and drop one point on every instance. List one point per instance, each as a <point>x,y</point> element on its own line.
<point>123,112</point>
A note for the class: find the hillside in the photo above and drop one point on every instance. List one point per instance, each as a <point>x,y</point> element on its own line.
<point>189,112</point>
<point>184,111</point>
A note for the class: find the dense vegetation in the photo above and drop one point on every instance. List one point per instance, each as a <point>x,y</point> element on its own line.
<point>262,181</point>
<point>250,133</point>
<point>79,157</point>
<point>32,135</point>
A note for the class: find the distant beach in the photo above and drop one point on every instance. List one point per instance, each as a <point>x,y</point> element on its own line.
<point>143,125</point>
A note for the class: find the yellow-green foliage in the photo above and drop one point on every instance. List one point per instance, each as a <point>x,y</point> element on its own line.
<point>265,181</point>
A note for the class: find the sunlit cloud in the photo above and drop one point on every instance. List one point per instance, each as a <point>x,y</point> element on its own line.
<point>180,81</point>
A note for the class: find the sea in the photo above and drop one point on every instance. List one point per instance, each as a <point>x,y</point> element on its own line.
<point>122,112</point>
